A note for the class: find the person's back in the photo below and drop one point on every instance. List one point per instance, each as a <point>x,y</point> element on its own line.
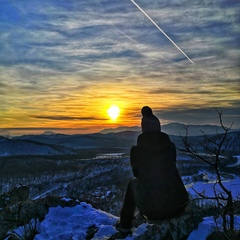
<point>160,188</point>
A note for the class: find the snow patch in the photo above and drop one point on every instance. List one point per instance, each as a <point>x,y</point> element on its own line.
<point>73,223</point>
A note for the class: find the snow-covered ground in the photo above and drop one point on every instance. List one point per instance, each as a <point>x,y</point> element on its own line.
<point>207,226</point>
<point>74,223</point>
<point>207,187</point>
<point>62,223</point>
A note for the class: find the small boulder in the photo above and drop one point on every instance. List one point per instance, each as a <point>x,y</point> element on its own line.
<point>17,194</point>
<point>172,229</point>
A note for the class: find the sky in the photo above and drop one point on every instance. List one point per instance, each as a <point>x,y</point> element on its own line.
<point>63,63</point>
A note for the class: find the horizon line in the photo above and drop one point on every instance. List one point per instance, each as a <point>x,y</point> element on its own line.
<point>56,128</point>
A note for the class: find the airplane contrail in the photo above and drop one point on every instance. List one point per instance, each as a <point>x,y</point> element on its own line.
<point>162,31</point>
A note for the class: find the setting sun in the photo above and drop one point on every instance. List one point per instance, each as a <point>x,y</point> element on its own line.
<point>113,112</point>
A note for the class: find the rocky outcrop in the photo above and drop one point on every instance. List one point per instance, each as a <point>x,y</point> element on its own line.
<point>20,213</point>
<point>17,194</point>
<point>172,229</point>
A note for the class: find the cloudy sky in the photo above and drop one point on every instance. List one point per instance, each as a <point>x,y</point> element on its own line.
<point>63,63</point>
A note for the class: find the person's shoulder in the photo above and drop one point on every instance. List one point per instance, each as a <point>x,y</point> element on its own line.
<point>148,138</point>
<point>164,135</point>
<point>154,117</point>
<point>147,134</point>
<point>152,136</point>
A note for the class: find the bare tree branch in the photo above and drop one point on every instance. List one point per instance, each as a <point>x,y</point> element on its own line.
<point>214,147</point>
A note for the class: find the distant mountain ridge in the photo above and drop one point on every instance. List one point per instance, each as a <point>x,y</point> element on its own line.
<point>120,129</point>
<point>193,130</point>
<point>174,129</point>
<point>122,138</point>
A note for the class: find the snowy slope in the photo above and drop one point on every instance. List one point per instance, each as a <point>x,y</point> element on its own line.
<point>207,188</point>
<point>13,147</point>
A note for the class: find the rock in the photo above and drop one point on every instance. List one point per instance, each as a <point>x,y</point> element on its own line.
<point>18,214</point>
<point>91,231</point>
<point>17,194</point>
<point>3,200</point>
<point>173,229</point>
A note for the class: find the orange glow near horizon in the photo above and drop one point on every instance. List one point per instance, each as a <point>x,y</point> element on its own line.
<point>86,110</point>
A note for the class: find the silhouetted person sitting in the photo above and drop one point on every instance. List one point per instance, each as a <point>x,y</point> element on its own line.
<point>157,189</point>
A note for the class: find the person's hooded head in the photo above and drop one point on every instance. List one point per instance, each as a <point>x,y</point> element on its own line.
<point>150,123</point>
<point>146,111</point>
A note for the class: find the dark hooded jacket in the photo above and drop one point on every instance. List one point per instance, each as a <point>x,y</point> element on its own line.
<point>160,190</point>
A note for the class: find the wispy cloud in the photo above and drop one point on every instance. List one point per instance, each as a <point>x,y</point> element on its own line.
<point>59,58</point>
<point>68,118</point>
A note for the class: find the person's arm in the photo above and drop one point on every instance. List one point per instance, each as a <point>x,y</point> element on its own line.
<point>134,160</point>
